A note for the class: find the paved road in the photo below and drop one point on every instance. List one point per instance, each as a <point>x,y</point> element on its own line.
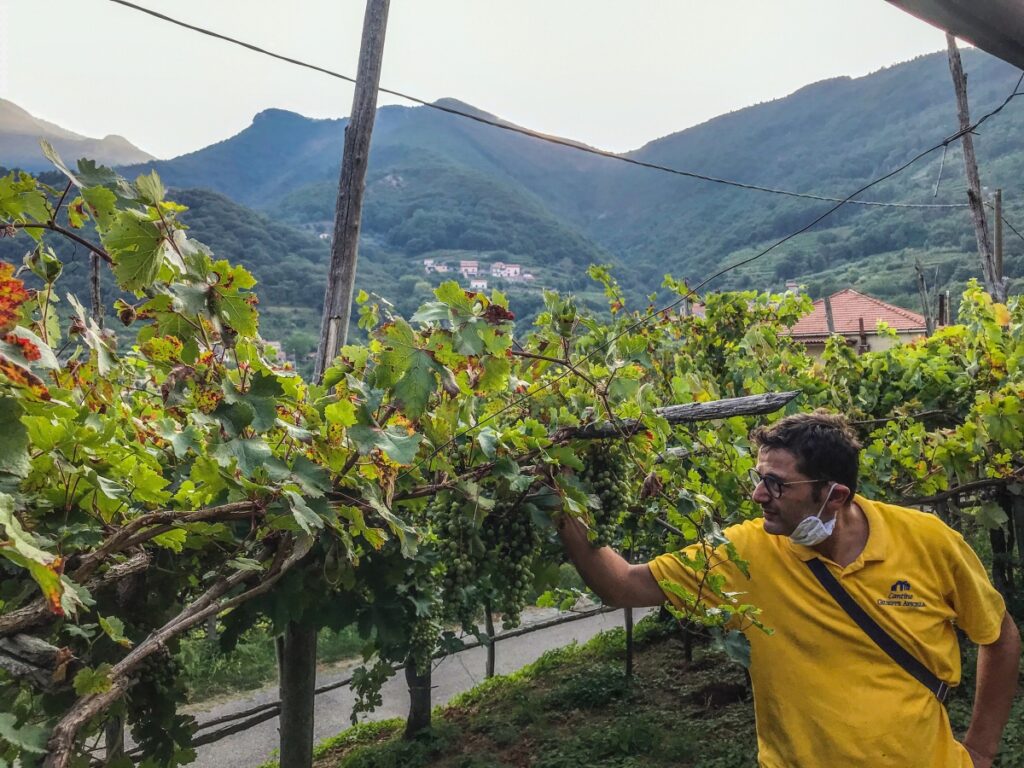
<point>453,675</point>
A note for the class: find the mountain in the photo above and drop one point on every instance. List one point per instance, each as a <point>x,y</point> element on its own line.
<point>446,187</point>
<point>828,138</point>
<point>437,181</point>
<point>20,133</point>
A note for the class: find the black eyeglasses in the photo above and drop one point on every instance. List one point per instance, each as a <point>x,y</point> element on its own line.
<point>773,485</point>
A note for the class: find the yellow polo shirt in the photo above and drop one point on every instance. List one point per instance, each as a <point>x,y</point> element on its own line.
<point>824,693</point>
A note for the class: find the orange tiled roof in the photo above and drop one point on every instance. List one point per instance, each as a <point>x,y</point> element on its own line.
<point>848,307</point>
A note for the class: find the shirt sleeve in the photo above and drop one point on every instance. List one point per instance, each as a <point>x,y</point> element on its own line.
<point>695,573</point>
<point>979,606</point>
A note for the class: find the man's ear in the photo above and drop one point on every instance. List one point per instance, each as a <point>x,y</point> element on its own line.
<point>841,495</point>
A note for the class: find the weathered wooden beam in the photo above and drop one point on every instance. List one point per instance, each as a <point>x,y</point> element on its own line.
<point>28,658</point>
<point>750,405</point>
<point>974,199</point>
<point>995,26</point>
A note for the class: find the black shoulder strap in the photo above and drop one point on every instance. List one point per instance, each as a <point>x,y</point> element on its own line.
<point>882,639</point>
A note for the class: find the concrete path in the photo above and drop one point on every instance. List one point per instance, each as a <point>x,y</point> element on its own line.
<point>453,675</point>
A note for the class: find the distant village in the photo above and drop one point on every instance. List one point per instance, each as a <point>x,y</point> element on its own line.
<point>471,270</point>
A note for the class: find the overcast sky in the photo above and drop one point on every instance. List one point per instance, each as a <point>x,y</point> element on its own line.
<point>609,73</point>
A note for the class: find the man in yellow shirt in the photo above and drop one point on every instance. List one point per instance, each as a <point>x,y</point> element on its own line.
<point>825,694</point>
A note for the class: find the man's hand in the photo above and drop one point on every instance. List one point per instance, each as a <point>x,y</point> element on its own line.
<point>998,665</point>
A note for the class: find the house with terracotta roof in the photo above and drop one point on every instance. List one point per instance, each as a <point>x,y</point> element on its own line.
<point>855,316</point>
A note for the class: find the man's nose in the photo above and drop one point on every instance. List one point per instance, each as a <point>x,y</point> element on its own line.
<point>760,493</point>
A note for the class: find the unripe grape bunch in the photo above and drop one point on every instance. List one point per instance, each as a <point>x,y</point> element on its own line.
<point>606,473</point>
<point>511,542</point>
<point>462,554</point>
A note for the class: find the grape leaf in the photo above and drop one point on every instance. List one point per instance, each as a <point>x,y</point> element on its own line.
<point>14,446</point>
<point>307,519</point>
<point>341,412</point>
<point>398,444</point>
<point>113,627</point>
<point>28,738</point>
<point>151,189</point>
<point>136,246</point>
<point>246,455</point>
<point>89,681</point>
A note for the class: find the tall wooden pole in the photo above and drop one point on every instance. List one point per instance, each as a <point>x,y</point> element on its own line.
<point>992,283</point>
<point>999,235</point>
<point>94,289</point>
<point>489,627</point>
<point>926,305</point>
<point>348,211</point>
<point>829,318</point>
<point>297,648</point>
<point>296,651</point>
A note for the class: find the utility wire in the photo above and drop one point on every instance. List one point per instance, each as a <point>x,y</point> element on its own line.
<point>1006,221</point>
<point>693,291</point>
<point>534,134</point>
<point>572,145</point>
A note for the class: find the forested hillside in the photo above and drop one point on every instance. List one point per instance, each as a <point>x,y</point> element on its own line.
<point>438,181</point>
<point>446,187</point>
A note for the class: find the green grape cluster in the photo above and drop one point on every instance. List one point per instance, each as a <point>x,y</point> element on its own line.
<point>462,554</point>
<point>153,710</point>
<point>423,642</point>
<point>606,472</point>
<point>512,543</point>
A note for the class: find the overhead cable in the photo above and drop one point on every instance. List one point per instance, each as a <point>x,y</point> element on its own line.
<point>516,402</point>
<point>839,202</point>
<point>578,146</point>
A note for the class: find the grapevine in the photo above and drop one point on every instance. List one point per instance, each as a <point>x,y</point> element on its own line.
<point>181,447</point>
<point>606,471</point>
<point>462,554</point>
<point>511,541</point>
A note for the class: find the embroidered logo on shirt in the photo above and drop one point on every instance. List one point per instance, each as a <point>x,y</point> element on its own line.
<point>900,596</point>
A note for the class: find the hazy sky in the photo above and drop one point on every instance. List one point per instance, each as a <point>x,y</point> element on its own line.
<point>610,73</point>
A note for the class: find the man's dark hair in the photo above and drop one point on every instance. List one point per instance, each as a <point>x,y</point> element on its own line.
<point>823,443</point>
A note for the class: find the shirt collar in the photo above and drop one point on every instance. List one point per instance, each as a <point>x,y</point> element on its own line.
<point>877,546</point>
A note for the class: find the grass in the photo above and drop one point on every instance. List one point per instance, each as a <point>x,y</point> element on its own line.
<point>573,707</point>
<point>209,672</point>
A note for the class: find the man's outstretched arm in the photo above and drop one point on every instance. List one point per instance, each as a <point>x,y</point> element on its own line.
<point>998,667</point>
<point>615,581</point>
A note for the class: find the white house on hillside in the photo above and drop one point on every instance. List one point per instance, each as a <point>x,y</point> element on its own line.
<point>501,269</point>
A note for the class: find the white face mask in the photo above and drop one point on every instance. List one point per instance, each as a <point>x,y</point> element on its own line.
<point>811,531</point>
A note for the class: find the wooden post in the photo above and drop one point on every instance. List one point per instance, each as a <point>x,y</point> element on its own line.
<point>419,701</point>
<point>999,236</point>
<point>297,668</point>
<point>489,625</point>
<point>992,283</point>
<point>113,737</point>
<point>628,616</point>
<point>341,276</point>
<point>863,336</point>
<point>1017,521</point>
<point>94,281</point>
<point>297,648</point>
<point>211,633</point>
<point>629,642</point>
<point>926,305</point>
<point>943,318</point>
<point>829,319</point>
